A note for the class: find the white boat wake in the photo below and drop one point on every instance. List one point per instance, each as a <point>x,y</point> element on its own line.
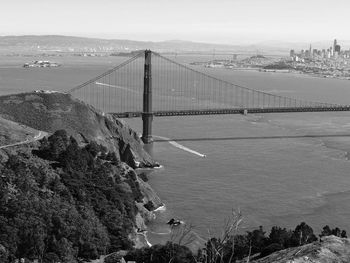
<point>114,86</point>
<point>161,233</point>
<point>177,145</point>
<point>161,208</point>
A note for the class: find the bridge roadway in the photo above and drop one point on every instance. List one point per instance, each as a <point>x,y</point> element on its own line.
<point>234,111</point>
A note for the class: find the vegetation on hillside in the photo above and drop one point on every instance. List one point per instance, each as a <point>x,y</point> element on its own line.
<point>63,202</point>
<point>253,244</point>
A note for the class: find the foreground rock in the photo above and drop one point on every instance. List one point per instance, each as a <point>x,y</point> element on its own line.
<point>330,249</point>
<point>51,111</point>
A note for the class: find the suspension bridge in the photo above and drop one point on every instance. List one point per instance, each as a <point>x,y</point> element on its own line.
<point>150,85</point>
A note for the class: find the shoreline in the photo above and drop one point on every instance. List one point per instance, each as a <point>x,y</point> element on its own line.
<point>146,241</point>
<point>142,237</point>
<point>291,71</point>
<point>285,71</point>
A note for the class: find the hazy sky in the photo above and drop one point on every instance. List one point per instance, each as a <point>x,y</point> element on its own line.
<point>217,21</point>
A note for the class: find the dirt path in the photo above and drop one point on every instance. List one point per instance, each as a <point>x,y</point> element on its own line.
<point>37,137</point>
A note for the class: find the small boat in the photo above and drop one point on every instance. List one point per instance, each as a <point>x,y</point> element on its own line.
<point>139,230</point>
<point>174,222</point>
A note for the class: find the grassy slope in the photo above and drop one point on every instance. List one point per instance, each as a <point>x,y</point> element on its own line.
<point>13,132</point>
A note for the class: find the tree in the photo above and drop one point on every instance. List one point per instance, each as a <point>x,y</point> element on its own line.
<point>223,248</point>
<point>327,231</point>
<point>280,236</point>
<point>343,234</point>
<point>257,240</point>
<point>241,246</point>
<point>303,234</point>
<point>52,147</point>
<point>271,249</point>
<point>170,252</point>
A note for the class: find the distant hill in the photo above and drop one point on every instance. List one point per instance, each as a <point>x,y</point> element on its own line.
<point>80,44</point>
<point>58,43</point>
<point>49,112</point>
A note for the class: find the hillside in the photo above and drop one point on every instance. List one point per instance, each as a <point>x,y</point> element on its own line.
<point>64,202</point>
<point>70,195</point>
<point>12,132</point>
<point>47,111</point>
<point>330,249</point>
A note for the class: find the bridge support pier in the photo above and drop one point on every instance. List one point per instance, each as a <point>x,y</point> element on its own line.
<point>147,119</point>
<point>147,115</point>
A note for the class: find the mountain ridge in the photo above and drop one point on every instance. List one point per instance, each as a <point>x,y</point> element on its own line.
<point>66,43</point>
<point>31,42</point>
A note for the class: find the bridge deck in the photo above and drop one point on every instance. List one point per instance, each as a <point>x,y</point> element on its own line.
<point>232,111</point>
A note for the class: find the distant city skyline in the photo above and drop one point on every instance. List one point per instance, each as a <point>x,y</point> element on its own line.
<point>223,22</point>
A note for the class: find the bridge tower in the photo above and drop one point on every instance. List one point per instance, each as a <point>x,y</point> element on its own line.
<point>147,114</point>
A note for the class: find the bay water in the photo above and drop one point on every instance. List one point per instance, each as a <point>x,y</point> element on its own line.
<point>278,169</point>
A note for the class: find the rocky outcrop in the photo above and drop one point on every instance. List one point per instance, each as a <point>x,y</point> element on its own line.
<point>329,249</point>
<point>149,196</point>
<point>51,111</point>
<point>148,203</point>
<point>150,200</point>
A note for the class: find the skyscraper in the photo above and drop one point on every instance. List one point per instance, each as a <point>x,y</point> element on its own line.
<point>337,48</point>
<point>334,45</point>
<point>310,54</point>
